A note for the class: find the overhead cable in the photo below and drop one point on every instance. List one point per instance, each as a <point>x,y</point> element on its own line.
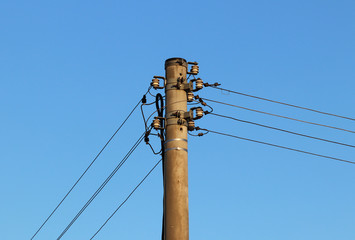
<point>283,130</point>
<point>118,208</point>
<point>102,185</point>
<point>278,146</point>
<point>159,104</point>
<point>281,116</point>
<point>92,162</point>
<point>286,104</point>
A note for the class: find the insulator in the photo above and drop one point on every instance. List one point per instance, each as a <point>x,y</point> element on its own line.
<point>199,83</point>
<point>155,83</point>
<point>199,112</point>
<point>191,125</point>
<point>190,96</point>
<point>156,123</point>
<point>194,69</point>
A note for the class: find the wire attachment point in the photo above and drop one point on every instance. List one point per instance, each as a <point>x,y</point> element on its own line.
<point>144,99</point>
<point>200,134</point>
<point>216,84</point>
<point>146,136</point>
<point>156,82</point>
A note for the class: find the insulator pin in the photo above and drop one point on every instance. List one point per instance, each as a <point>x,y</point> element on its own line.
<point>191,125</point>
<point>194,69</point>
<point>199,112</point>
<point>155,83</point>
<point>199,84</point>
<point>156,123</point>
<point>190,96</point>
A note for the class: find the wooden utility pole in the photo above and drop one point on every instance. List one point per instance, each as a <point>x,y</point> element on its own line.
<point>176,207</point>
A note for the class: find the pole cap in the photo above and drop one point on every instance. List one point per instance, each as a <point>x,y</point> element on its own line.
<point>175,61</point>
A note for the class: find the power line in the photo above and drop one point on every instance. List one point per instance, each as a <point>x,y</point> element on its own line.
<point>278,146</point>
<point>281,116</point>
<point>286,104</point>
<point>283,130</point>
<point>108,219</point>
<point>159,104</point>
<point>102,185</point>
<point>93,161</point>
<point>160,109</point>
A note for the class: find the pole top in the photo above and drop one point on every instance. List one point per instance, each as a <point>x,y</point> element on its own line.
<point>175,61</point>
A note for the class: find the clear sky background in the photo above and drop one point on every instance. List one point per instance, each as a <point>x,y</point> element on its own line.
<point>71,71</point>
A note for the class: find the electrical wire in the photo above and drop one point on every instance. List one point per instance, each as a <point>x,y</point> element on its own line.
<point>143,116</point>
<point>283,130</point>
<point>118,208</point>
<point>278,146</point>
<point>188,77</point>
<point>154,152</point>
<point>159,105</point>
<point>197,135</point>
<point>275,115</point>
<point>147,104</point>
<point>150,92</point>
<point>158,98</point>
<point>93,161</point>
<point>283,103</point>
<point>103,185</point>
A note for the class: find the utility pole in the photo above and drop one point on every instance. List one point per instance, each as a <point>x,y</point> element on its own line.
<point>177,122</point>
<point>176,172</point>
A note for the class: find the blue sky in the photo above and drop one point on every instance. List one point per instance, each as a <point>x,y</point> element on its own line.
<point>71,71</point>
